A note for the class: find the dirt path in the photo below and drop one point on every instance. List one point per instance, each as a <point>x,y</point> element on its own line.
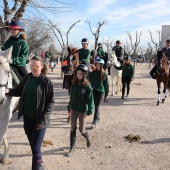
<point>137,114</point>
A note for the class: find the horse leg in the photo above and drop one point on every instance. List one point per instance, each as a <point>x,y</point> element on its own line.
<point>112,87</point>
<point>117,85</point>
<point>4,159</point>
<point>164,93</point>
<point>158,94</point>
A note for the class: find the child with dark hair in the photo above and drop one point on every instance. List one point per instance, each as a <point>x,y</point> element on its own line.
<point>81,105</point>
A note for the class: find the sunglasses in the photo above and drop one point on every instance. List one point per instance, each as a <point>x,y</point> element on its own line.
<point>34,67</point>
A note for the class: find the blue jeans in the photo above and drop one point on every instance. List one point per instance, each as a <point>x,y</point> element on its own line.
<point>35,138</point>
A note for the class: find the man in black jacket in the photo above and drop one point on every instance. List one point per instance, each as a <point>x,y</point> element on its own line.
<point>166,51</point>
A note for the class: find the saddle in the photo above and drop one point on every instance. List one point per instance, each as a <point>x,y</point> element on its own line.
<point>16,78</point>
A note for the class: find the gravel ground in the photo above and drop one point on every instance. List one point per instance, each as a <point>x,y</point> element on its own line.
<point>137,114</point>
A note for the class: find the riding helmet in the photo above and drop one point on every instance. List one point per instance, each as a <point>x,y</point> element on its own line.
<point>85,41</point>
<point>17,24</point>
<point>127,58</point>
<point>99,44</point>
<point>82,67</point>
<point>100,61</point>
<point>168,40</point>
<point>118,42</point>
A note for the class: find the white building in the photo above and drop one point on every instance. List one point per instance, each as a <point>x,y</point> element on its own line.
<point>165,34</point>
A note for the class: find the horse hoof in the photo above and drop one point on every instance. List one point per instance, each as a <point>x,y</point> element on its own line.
<point>112,95</point>
<point>163,100</point>
<point>5,161</point>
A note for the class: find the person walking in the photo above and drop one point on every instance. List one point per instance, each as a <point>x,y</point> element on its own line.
<point>43,55</point>
<point>52,62</point>
<point>36,93</point>
<point>127,75</point>
<point>81,105</point>
<point>20,47</point>
<point>99,82</point>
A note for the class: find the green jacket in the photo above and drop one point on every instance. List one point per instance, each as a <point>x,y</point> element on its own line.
<point>19,52</point>
<point>97,84</point>
<point>128,71</point>
<point>100,52</point>
<point>52,59</point>
<point>84,55</point>
<point>81,99</point>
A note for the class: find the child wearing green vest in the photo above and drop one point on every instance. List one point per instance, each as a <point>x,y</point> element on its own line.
<point>99,81</point>
<point>81,105</point>
<point>100,52</point>
<point>84,52</point>
<point>20,47</point>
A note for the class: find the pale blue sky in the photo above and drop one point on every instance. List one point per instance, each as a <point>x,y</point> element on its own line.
<point>121,16</point>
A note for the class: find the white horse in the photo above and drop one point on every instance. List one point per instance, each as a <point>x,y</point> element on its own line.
<point>7,103</point>
<point>115,74</point>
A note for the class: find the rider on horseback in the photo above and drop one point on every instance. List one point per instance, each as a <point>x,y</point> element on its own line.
<point>84,52</point>
<point>20,47</point>
<point>119,51</point>
<point>166,51</point>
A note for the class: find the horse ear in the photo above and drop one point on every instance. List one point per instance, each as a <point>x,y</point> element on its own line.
<point>69,50</point>
<point>8,53</point>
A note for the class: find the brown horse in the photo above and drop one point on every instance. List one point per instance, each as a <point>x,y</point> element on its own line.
<point>162,74</point>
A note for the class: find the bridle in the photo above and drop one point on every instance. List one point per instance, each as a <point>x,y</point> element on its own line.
<point>163,68</point>
<point>5,85</point>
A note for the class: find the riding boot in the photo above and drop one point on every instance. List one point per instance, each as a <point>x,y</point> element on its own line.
<point>153,72</point>
<point>72,143</point>
<point>87,137</point>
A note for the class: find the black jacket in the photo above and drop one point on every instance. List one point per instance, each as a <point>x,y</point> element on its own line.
<point>45,98</point>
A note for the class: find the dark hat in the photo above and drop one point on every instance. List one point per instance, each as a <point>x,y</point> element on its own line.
<point>99,44</point>
<point>82,67</point>
<point>17,24</point>
<point>118,42</point>
<point>85,41</point>
<point>127,58</point>
<point>168,40</point>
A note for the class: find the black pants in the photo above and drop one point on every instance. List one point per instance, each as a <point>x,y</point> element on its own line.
<point>97,100</point>
<point>153,71</point>
<point>35,138</point>
<point>125,81</point>
<point>21,70</point>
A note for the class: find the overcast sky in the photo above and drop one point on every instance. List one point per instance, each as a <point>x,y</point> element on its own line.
<point>121,16</point>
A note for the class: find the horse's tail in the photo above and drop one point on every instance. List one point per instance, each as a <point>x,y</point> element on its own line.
<point>168,86</point>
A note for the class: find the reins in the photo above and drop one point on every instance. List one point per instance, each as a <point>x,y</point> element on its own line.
<point>165,61</point>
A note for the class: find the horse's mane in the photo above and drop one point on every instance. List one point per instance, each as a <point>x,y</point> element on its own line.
<point>160,55</point>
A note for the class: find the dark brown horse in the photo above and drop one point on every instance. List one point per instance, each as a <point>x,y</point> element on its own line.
<point>162,74</point>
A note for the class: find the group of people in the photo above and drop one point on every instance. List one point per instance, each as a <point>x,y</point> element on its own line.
<point>88,85</point>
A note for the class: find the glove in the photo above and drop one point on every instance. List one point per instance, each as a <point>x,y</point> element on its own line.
<point>105,100</point>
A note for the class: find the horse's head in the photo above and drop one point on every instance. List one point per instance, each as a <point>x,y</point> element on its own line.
<point>112,59</point>
<point>160,59</point>
<point>5,56</point>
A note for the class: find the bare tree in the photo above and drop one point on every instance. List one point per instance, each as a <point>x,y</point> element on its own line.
<point>59,34</point>
<point>127,48</point>
<point>161,39</point>
<point>108,43</point>
<point>19,8</point>
<point>135,44</point>
<point>96,34</point>
<point>38,36</point>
